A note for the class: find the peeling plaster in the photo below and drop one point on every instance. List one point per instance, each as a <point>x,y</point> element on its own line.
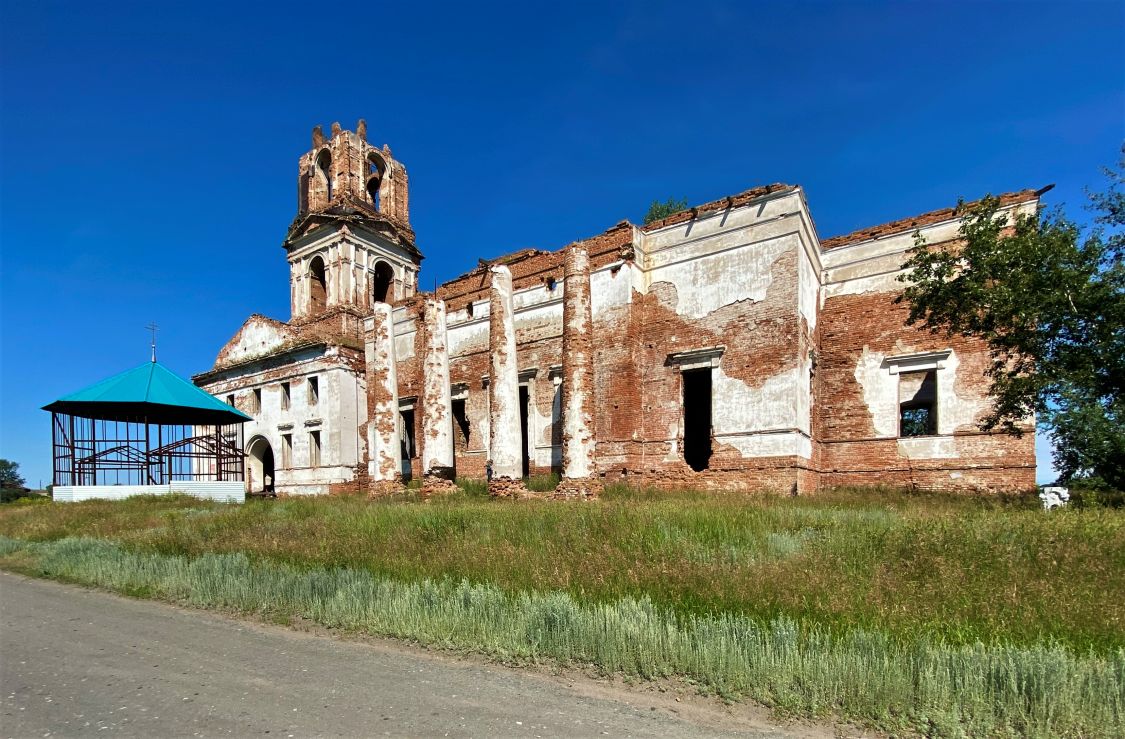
<point>739,274</point>
<point>382,431</point>
<point>505,444</point>
<point>738,407</point>
<point>437,413</point>
<point>880,394</point>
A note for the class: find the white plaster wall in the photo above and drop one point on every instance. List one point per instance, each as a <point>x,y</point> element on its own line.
<point>784,444</point>
<point>224,492</point>
<point>738,408</point>
<point>708,282</point>
<point>468,337</point>
<point>341,408</point>
<point>880,394</point>
<point>350,255</point>
<point>612,288</point>
<point>717,227</point>
<point>257,336</point>
<point>539,424</point>
<point>874,265</point>
<point>808,289</point>
<point>543,320</point>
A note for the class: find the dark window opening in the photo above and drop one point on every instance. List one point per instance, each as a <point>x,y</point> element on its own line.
<point>286,397</point>
<point>314,390</point>
<point>917,403</point>
<point>409,451</point>
<point>469,309</point>
<point>257,400</point>
<point>525,399</point>
<point>461,424</point>
<point>697,418</point>
<point>318,287</point>
<point>384,278</point>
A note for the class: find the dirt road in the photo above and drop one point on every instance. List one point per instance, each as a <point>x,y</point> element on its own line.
<point>76,661</point>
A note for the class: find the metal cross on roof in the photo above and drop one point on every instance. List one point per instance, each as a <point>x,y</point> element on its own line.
<point>153,327</point>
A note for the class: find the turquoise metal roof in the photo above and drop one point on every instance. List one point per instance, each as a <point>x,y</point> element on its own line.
<point>152,393</point>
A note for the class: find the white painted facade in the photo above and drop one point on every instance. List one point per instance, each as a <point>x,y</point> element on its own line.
<point>223,492</point>
<point>327,403</point>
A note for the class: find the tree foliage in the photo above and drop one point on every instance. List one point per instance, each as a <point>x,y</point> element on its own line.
<point>10,474</point>
<point>659,210</point>
<point>1048,297</point>
<point>11,481</point>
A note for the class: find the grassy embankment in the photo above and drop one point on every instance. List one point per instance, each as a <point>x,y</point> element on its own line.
<point>938,613</point>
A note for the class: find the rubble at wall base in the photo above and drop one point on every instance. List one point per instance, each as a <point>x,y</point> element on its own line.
<point>507,487</point>
<point>578,488</point>
<point>433,485</point>
<point>383,488</point>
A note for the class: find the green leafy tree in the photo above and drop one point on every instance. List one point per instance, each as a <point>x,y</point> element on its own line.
<point>659,210</point>
<point>11,482</point>
<point>1048,297</point>
<point>10,474</point>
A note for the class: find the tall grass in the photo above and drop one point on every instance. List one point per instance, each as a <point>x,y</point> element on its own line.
<point>926,685</point>
<point>964,570</point>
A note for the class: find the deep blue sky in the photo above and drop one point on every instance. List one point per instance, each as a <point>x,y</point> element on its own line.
<point>148,150</point>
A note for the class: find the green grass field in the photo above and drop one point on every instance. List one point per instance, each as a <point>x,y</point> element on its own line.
<point>940,613</point>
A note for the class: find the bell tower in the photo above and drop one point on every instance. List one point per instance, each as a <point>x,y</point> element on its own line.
<point>351,245</point>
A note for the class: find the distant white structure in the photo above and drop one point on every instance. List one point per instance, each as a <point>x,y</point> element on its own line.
<point>1054,496</point>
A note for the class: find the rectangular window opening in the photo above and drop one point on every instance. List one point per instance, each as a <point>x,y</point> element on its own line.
<point>287,450</point>
<point>314,390</point>
<point>460,424</point>
<point>917,403</point>
<point>525,399</point>
<point>286,397</point>
<point>409,450</point>
<point>697,418</point>
<point>257,400</point>
<point>314,448</point>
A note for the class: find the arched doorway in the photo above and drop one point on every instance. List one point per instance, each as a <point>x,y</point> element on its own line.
<point>383,280</point>
<point>259,467</point>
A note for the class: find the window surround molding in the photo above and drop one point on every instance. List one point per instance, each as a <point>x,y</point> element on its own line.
<point>706,358</point>
<point>918,362</point>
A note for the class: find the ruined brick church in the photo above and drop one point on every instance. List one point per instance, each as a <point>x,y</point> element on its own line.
<point>725,347</point>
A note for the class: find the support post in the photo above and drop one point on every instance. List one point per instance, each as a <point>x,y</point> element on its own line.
<point>504,429</point>
<point>437,406</point>
<point>580,478</point>
<point>384,451</point>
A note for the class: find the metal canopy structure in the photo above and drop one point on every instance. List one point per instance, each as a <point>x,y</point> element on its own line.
<point>145,427</point>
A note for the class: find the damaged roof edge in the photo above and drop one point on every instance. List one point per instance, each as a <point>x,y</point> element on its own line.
<point>730,201</point>
<point>930,218</point>
<point>291,348</point>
